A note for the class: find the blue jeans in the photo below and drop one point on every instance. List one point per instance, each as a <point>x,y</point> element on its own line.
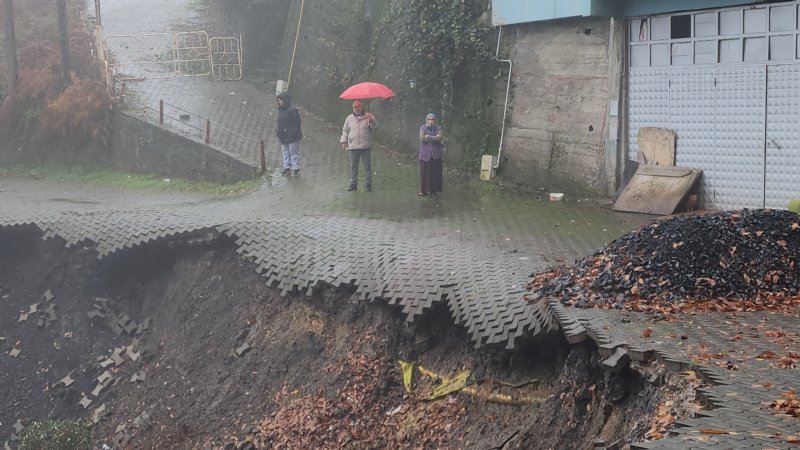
<point>291,155</point>
<point>365,154</point>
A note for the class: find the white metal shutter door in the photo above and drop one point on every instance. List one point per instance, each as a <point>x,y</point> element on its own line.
<point>739,156</point>
<point>648,103</point>
<point>691,115</point>
<point>783,136</point>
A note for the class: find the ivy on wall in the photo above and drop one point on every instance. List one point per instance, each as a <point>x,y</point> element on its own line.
<point>438,41</point>
<point>444,49</point>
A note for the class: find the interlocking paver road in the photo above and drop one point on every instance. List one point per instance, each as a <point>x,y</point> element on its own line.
<point>737,354</point>
<point>472,249</point>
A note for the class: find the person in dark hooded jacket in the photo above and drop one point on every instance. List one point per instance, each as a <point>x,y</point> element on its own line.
<point>289,134</point>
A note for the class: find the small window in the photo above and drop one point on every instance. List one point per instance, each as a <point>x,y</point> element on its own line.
<point>781,18</point>
<point>755,49</point>
<point>639,30</point>
<point>659,55</point>
<point>781,48</point>
<point>682,54</point>
<point>755,20</point>
<point>730,50</point>
<point>681,27</point>
<point>705,52</point>
<point>660,30</point>
<point>705,24</point>
<point>640,55</point>
<point>730,22</point>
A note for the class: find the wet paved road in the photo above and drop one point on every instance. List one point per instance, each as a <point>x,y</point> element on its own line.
<point>472,249</point>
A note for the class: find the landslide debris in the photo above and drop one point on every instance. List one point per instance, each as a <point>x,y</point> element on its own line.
<point>725,261</point>
<point>320,372</point>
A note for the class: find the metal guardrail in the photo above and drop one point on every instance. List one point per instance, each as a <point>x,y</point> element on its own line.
<point>197,127</point>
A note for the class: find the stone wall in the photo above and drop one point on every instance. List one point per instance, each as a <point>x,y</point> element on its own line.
<point>562,128</point>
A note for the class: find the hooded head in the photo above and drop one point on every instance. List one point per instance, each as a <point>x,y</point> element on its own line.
<point>285,100</point>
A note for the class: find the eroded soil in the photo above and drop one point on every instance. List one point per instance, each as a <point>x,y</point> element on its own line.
<point>209,356</point>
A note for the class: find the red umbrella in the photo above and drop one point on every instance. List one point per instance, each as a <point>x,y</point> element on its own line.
<point>366,90</point>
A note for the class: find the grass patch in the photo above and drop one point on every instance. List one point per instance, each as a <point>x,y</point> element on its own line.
<point>56,435</point>
<point>123,180</point>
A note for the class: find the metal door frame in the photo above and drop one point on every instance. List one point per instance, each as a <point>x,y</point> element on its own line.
<point>190,53</point>
<point>226,58</point>
<point>646,57</point>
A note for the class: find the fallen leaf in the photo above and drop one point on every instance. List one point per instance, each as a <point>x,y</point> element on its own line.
<point>767,354</point>
<point>647,332</point>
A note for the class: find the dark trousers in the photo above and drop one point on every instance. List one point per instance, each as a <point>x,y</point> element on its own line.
<point>365,154</point>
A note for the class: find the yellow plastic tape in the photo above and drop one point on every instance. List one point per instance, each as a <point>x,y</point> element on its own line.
<point>458,384</point>
<point>449,386</point>
<point>408,370</point>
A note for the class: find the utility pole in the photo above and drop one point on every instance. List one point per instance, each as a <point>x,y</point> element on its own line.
<point>11,44</point>
<point>97,12</point>
<point>63,37</point>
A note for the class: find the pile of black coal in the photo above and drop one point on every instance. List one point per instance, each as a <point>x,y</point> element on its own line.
<point>746,257</point>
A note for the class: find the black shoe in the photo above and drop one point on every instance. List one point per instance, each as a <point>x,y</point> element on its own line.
<point>352,188</point>
<point>296,172</point>
<point>369,188</point>
<point>287,171</point>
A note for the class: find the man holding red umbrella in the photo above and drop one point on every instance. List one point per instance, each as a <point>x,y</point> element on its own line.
<point>357,138</point>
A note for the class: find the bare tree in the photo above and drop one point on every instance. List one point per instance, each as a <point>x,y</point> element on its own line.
<point>10,43</point>
<point>63,37</point>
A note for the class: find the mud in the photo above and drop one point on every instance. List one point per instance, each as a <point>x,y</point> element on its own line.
<point>225,362</point>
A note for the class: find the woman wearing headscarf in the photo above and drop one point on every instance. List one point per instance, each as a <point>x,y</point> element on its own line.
<point>430,157</point>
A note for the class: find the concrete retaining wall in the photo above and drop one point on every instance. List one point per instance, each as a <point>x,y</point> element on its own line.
<point>139,146</point>
<point>562,128</point>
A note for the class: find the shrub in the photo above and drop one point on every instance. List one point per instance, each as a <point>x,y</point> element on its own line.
<point>40,107</point>
<point>81,113</point>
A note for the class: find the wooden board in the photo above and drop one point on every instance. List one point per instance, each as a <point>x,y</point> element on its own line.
<point>656,146</point>
<point>657,189</point>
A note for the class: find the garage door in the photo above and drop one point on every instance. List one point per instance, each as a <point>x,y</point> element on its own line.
<point>728,82</point>
<point>783,135</point>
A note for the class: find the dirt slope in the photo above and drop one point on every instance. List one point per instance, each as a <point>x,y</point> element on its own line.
<point>214,358</point>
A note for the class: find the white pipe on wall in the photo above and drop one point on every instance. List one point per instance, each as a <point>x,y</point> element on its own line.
<point>508,89</point>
